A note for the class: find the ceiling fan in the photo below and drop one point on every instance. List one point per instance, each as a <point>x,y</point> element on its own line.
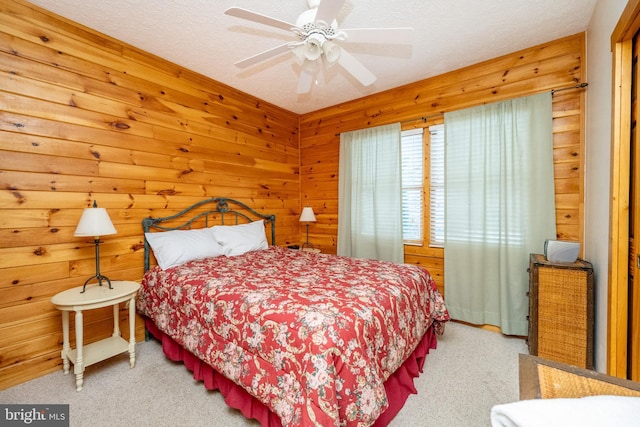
<point>317,39</point>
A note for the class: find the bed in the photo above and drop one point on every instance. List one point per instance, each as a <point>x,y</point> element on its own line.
<point>289,337</point>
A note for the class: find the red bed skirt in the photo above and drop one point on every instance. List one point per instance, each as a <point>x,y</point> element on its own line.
<point>398,386</point>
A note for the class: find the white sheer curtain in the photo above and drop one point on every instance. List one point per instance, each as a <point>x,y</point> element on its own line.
<point>499,207</point>
<point>370,194</point>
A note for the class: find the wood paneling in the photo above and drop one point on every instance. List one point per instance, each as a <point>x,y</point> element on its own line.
<point>84,117</point>
<point>553,65</point>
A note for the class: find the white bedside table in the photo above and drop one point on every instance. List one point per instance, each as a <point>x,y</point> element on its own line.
<point>96,297</point>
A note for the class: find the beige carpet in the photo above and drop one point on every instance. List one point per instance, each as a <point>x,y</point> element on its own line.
<point>469,372</point>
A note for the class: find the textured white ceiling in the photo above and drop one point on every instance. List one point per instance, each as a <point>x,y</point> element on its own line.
<point>449,34</point>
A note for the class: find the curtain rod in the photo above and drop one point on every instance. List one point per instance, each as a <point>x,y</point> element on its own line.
<point>578,86</point>
<point>425,118</point>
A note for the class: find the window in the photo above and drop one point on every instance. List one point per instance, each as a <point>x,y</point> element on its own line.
<point>412,186</point>
<point>436,186</point>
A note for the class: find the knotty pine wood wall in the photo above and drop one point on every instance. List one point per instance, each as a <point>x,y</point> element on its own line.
<point>549,66</point>
<point>85,117</point>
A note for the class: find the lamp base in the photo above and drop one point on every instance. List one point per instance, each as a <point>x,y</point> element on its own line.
<point>100,278</point>
<point>307,244</point>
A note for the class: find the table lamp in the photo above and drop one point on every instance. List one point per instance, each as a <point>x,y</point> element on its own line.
<point>307,216</point>
<point>95,222</point>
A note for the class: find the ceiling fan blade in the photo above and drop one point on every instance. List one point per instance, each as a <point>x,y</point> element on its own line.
<point>307,76</point>
<point>355,68</point>
<point>259,18</point>
<point>401,35</point>
<point>328,10</point>
<point>262,56</point>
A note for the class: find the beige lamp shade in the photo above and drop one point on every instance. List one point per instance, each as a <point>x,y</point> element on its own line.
<point>307,215</point>
<point>95,222</point>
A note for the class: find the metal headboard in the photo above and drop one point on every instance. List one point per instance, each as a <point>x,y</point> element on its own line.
<point>222,207</point>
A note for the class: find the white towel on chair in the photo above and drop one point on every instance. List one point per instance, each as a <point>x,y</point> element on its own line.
<point>596,411</point>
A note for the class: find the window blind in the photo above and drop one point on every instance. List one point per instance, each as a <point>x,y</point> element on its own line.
<point>412,185</point>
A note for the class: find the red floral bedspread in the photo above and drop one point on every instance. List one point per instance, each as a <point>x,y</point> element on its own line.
<point>312,336</point>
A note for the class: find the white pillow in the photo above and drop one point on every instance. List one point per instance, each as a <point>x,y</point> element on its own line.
<point>241,238</point>
<point>176,247</point>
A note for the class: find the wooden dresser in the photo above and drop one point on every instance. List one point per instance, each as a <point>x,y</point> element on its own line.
<point>561,311</point>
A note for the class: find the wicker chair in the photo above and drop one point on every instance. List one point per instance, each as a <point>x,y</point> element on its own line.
<point>556,394</point>
<point>542,378</point>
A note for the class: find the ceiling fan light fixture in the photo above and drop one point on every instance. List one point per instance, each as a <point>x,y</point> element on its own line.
<point>313,46</point>
<point>331,51</point>
<point>316,31</point>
